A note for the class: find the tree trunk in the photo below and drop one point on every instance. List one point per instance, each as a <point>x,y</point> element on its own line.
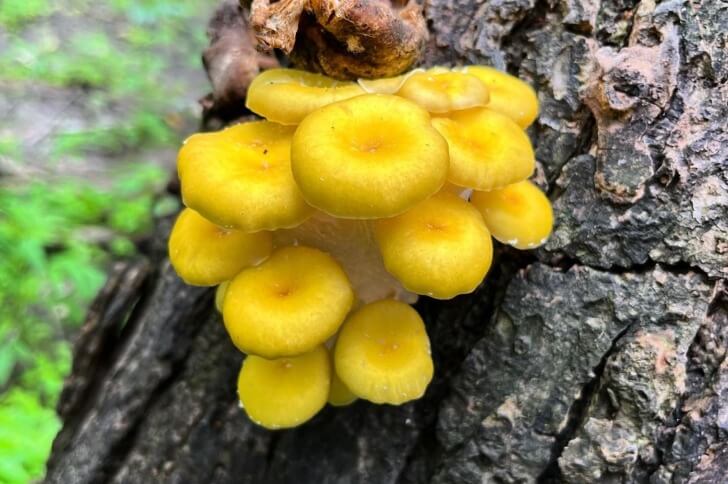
<point>599,358</point>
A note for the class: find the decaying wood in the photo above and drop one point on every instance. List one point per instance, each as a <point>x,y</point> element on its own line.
<point>345,39</point>
<point>231,61</point>
<point>599,358</point>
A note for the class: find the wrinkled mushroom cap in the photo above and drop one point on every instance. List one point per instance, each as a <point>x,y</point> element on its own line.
<point>440,248</point>
<point>383,353</point>
<point>371,156</point>
<point>288,305</point>
<point>241,177</point>
<point>286,96</point>
<point>508,94</point>
<point>487,149</point>
<point>519,214</point>
<point>286,392</point>
<point>205,254</point>
<point>442,91</point>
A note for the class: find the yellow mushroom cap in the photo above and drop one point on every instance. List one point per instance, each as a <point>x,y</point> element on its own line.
<point>205,254</point>
<point>508,94</point>
<point>241,177</point>
<point>441,91</point>
<point>487,149</point>
<point>286,392</point>
<point>519,214</point>
<point>220,295</point>
<point>286,96</point>
<point>383,353</point>
<point>339,393</point>
<point>371,156</point>
<point>440,248</point>
<point>387,85</point>
<point>288,305</point>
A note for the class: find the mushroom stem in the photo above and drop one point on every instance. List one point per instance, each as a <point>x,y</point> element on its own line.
<point>352,244</point>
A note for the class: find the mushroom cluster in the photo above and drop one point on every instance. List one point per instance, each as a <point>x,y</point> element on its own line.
<point>322,222</point>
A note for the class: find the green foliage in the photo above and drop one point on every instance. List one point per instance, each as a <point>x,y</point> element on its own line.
<point>49,272</point>
<point>14,13</point>
<point>126,58</point>
<point>9,147</point>
<point>27,428</point>
<point>144,129</point>
<point>57,236</point>
<point>86,58</point>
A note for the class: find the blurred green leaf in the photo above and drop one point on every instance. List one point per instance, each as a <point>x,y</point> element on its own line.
<point>57,237</point>
<point>122,247</point>
<point>166,205</point>
<point>49,272</point>
<point>13,13</point>
<point>144,130</point>
<point>9,147</point>
<point>27,428</point>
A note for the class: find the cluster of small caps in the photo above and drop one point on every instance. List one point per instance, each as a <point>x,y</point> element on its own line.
<point>434,162</point>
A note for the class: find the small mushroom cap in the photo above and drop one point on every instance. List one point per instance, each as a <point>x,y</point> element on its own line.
<point>339,393</point>
<point>383,353</point>
<point>487,149</point>
<point>508,94</point>
<point>286,96</point>
<point>241,177</point>
<point>371,156</point>
<point>519,214</point>
<point>220,295</point>
<point>387,85</point>
<point>205,254</point>
<point>286,392</point>
<point>440,248</point>
<point>442,91</point>
<point>288,305</point>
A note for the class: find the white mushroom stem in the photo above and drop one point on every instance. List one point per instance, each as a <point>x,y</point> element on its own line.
<point>352,243</point>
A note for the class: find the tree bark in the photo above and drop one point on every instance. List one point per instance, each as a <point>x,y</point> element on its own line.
<point>598,358</point>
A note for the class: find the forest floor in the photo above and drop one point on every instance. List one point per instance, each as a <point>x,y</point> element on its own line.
<point>95,97</point>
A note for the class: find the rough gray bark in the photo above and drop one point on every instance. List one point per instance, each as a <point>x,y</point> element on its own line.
<point>599,358</point>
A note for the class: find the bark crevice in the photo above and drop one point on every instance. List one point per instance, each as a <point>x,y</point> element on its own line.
<point>577,415</point>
